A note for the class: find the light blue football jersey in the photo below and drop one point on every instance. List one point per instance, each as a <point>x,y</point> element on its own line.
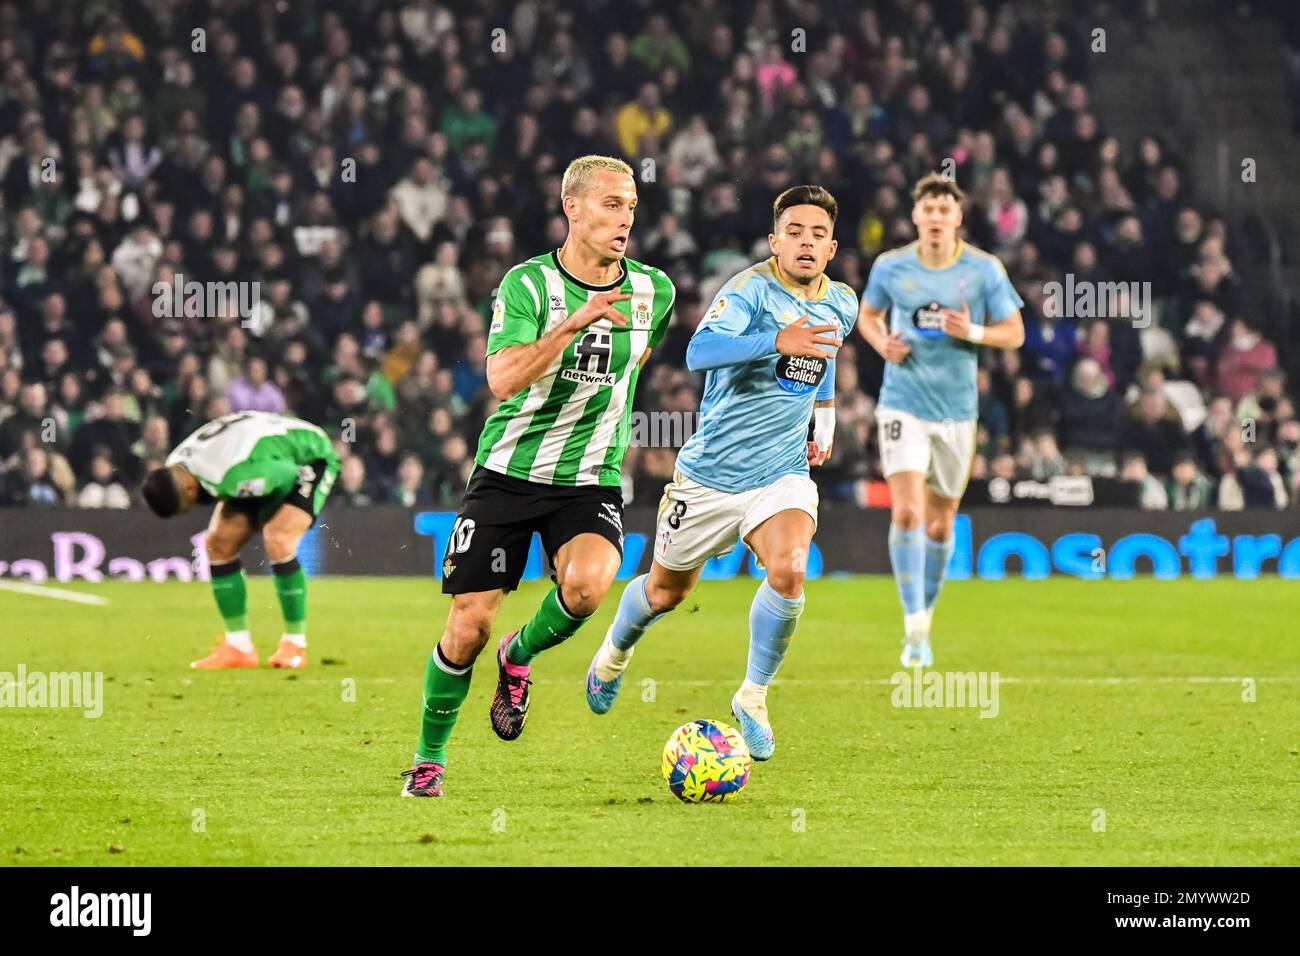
<point>754,416</point>
<point>937,381</point>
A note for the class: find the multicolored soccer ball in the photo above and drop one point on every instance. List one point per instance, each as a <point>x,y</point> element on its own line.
<point>706,762</point>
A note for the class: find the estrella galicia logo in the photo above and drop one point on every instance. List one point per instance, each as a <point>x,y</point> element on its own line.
<point>928,320</point>
<point>800,374</point>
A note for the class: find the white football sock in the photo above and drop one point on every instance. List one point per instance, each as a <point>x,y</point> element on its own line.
<point>610,661</point>
<point>916,626</point>
<point>240,640</point>
<point>753,698</point>
<point>298,640</point>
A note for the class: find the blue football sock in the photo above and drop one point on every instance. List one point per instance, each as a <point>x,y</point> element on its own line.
<point>772,620</point>
<point>907,555</point>
<point>937,555</point>
<point>634,615</point>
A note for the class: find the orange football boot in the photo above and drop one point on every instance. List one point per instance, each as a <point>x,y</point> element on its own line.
<point>289,655</point>
<point>224,657</point>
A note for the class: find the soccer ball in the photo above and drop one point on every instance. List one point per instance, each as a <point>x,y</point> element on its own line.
<point>706,761</point>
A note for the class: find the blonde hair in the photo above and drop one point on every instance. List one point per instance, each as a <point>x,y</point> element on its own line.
<point>577,178</point>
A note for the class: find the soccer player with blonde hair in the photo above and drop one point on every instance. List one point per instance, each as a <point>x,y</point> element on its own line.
<point>570,331</point>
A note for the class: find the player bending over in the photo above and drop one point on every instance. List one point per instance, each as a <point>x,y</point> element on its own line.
<point>267,472</point>
<point>570,330</point>
<point>943,298</point>
<point>767,343</point>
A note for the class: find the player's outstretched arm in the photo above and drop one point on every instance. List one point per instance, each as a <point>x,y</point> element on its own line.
<point>517,367</point>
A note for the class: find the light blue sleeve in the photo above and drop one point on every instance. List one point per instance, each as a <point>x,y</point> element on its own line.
<point>1000,297</point>
<point>722,337</point>
<point>849,318</point>
<point>826,390</point>
<point>877,291</point>
<point>709,349</point>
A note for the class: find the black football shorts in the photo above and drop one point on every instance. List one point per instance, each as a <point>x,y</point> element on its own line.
<point>488,546</point>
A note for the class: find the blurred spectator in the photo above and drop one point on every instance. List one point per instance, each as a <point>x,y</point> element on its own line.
<point>410,490</point>
<point>643,117</point>
<point>351,489</point>
<point>1187,489</point>
<point>1155,430</point>
<point>1261,483</point>
<point>102,490</point>
<point>992,414</point>
<point>1089,410</point>
<point>29,480</point>
<point>1049,347</point>
<point>253,392</point>
<point>108,433</point>
<point>1151,493</point>
<point>1245,355</point>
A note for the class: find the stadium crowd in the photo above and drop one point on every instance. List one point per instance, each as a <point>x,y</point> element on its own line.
<point>377,166</point>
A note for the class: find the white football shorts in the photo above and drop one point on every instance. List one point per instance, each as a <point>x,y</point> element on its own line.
<point>697,522</point>
<point>942,451</point>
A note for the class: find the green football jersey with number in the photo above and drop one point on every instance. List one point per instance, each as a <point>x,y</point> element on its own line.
<point>571,426</point>
<point>252,454</point>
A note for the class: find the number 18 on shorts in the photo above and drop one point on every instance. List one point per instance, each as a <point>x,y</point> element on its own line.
<point>942,451</point>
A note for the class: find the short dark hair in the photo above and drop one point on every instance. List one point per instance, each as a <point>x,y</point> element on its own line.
<point>936,184</point>
<point>804,196</point>
<point>161,492</point>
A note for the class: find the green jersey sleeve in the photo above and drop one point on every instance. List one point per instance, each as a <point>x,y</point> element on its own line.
<point>517,314</point>
<point>259,478</point>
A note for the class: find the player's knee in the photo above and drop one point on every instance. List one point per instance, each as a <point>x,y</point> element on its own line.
<point>663,598</point>
<point>466,635</point>
<point>583,588</point>
<point>906,517</point>
<point>939,527</point>
<point>280,545</point>
<point>786,573</point>
<point>220,548</point>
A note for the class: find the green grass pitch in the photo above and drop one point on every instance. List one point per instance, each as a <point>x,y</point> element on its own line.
<point>1127,699</point>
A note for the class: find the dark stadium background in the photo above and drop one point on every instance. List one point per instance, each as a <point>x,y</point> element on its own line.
<point>227,163</point>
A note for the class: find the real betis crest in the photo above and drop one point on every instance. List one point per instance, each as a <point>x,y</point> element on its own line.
<point>641,315</point>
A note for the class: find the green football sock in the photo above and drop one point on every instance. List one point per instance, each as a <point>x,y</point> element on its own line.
<point>445,688</point>
<point>291,588</point>
<point>230,588</point>
<point>551,625</point>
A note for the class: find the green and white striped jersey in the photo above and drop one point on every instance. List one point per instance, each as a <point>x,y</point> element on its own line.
<point>571,426</point>
<point>252,454</point>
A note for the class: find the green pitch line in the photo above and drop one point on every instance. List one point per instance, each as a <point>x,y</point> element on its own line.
<point>1165,712</point>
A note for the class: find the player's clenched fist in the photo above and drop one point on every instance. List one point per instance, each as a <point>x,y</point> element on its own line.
<point>895,349</point>
<point>800,338</point>
<point>599,306</point>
